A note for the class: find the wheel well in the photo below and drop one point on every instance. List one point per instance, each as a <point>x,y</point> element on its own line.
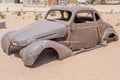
<point>46,56</point>
<point>112,35</point>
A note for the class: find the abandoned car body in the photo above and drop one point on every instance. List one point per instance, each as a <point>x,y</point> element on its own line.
<point>67,30</point>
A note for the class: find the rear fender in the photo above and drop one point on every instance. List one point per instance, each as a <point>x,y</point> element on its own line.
<point>110,35</point>
<point>30,53</point>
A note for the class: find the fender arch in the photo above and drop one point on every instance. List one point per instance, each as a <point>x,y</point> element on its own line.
<point>109,35</point>
<point>30,53</point>
<point>5,42</point>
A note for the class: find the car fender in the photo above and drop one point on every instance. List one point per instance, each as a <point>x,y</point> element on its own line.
<point>109,31</point>
<point>30,53</point>
<point>5,42</point>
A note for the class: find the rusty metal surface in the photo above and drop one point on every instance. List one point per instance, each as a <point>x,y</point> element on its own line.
<point>38,30</point>
<point>63,36</point>
<point>107,33</point>
<point>84,36</point>
<point>5,43</point>
<point>73,8</point>
<point>31,52</point>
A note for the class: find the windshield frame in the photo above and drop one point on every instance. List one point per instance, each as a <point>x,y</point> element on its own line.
<point>61,11</point>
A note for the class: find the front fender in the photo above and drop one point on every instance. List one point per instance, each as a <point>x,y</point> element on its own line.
<point>5,44</point>
<point>30,53</point>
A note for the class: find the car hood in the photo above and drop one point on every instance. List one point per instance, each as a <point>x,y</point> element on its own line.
<point>42,29</point>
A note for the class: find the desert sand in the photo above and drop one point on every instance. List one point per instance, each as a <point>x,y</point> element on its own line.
<point>99,64</point>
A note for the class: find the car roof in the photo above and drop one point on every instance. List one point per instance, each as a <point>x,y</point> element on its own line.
<point>73,8</point>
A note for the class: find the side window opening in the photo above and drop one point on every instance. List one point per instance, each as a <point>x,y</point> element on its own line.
<point>66,15</point>
<point>84,17</point>
<point>97,17</point>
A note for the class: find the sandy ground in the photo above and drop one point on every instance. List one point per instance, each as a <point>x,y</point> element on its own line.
<point>99,64</point>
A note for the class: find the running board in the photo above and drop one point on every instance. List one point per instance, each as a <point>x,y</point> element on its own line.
<point>85,50</point>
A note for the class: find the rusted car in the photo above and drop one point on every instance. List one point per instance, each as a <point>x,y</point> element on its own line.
<point>66,30</point>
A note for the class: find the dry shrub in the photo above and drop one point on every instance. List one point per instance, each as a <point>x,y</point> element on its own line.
<point>53,13</point>
<point>18,13</point>
<point>2,16</point>
<point>38,16</point>
<point>117,24</point>
<point>111,11</point>
<point>24,12</point>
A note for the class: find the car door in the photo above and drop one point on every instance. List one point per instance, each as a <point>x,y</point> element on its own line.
<point>84,31</point>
